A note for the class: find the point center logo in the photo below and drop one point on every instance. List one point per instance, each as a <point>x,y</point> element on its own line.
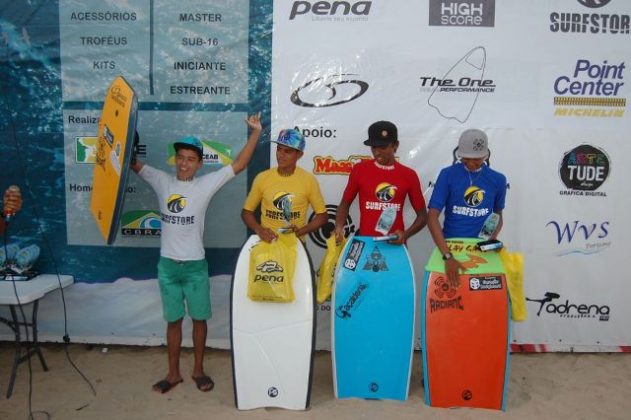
<point>176,203</point>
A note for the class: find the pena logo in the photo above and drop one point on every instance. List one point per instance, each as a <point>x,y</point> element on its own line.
<point>591,89</point>
<point>583,170</point>
<point>474,196</point>
<point>176,203</point>
<point>283,200</point>
<point>327,165</point>
<point>141,223</point>
<point>328,91</point>
<point>385,192</point>
<point>331,11</point>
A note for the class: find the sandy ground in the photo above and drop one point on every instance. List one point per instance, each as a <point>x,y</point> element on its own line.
<point>542,386</point>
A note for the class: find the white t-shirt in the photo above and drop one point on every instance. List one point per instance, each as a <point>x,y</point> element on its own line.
<point>183,206</point>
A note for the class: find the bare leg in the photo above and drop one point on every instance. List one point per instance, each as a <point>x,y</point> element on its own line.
<point>204,382</point>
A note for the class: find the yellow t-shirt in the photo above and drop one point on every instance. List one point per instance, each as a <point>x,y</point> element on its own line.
<point>278,195</point>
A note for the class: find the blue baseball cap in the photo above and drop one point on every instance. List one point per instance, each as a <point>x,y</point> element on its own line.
<point>190,142</point>
<point>291,138</point>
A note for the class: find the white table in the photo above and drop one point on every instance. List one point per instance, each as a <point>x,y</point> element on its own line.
<point>28,291</point>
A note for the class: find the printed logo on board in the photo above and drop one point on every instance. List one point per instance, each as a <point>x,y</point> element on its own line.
<point>581,238</point>
<point>580,21</point>
<point>141,223</point>
<point>331,90</point>
<point>85,149</point>
<point>591,89</point>
<point>549,306</point>
<point>354,254</point>
<point>328,165</point>
<point>272,392</point>
<point>472,13</point>
<point>454,94</point>
<point>583,170</point>
<point>351,304</point>
<point>480,283</point>
<point>331,11</point>
<point>320,235</point>
<point>375,261</point>
<point>446,296</point>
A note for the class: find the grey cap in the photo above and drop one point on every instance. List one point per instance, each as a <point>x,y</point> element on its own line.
<point>473,144</point>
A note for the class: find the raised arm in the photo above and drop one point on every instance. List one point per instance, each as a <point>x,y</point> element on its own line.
<point>244,156</point>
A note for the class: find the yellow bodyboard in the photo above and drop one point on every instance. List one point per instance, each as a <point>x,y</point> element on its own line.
<point>117,126</point>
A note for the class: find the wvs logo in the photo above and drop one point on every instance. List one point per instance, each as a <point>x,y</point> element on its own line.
<point>590,23</point>
<point>322,92</point>
<point>455,94</point>
<point>591,90</point>
<point>462,13</point>
<point>592,237</point>
<point>570,310</point>
<point>583,170</point>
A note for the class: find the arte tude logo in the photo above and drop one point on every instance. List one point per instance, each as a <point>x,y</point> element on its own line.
<point>594,22</point>
<point>476,13</point>
<point>331,90</point>
<point>583,170</point>
<point>576,237</point>
<point>591,89</point>
<point>455,93</point>
<point>549,306</point>
<point>331,11</point>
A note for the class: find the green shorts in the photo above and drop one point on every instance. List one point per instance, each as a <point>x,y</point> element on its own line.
<point>180,281</point>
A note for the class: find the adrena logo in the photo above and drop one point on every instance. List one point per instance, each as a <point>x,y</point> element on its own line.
<point>462,13</point>
<point>385,192</point>
<point>593,23</point>
<point>570,310</point>
<point>176,203</point>
<point>593,88</point>
<point>583,170</point>
<point>322,92</point>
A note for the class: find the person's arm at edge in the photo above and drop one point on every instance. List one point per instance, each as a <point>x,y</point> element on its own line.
<point>266,234</point>
<point>452,266</point>
<point>500,223</point>
<point>419,223</point>
<point>340,219</point>
<point>316,223</point>
<point>244,156</point>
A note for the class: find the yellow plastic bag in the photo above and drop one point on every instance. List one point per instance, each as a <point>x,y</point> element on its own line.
<point>272,267</point>
<point>326,272</point>
<point>514,267</point>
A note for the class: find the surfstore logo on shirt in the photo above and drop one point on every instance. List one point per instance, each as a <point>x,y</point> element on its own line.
<point>474,196</point>
<point>385,192</point>
<point>462,13</point>
<point>583,170</point>
<point>591,88</point>
<point>590,23</point>
<point>282,201</point>
<point>176,203</point>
